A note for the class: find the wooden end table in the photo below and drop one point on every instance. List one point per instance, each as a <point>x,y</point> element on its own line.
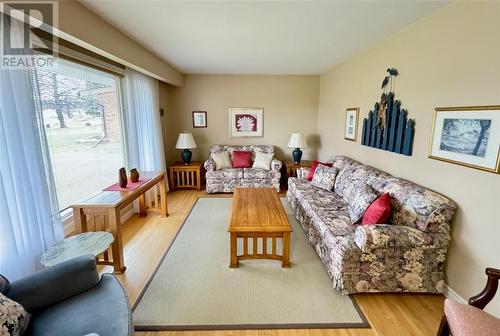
<point>257,213</point>
<point>182,176</point>
<point>291,170</point>
<point>291,167</point>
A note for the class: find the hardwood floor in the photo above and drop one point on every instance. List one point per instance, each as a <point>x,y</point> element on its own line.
<point>147,239</point>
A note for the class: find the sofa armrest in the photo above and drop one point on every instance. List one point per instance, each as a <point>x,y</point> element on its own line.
<point>369,237</point>
<point>209,165</point>
<point>276,165</point>
<point>55,284</point>
<point>302,173</point>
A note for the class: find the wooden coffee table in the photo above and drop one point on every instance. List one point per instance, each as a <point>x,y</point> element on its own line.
<point>258,214</point>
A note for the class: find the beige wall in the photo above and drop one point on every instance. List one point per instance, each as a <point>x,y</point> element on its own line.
<point>451,58</point>
<point>92,32</point>
<point>290,105</point>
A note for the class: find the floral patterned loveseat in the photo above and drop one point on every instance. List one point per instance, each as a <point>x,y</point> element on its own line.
<point>406,256</point>
<point>226,180</point>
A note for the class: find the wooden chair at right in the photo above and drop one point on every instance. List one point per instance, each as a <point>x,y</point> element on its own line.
<point>479,301</point>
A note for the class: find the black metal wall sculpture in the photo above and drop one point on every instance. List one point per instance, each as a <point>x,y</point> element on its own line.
<point>387,126</point>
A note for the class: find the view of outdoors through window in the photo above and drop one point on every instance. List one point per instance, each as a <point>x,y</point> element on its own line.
<point>81,113</point>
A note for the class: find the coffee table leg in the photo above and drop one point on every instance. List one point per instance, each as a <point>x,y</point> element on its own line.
<point>234,251</point>
<point>286,250</point>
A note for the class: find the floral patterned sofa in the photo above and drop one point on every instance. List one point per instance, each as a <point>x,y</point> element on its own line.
<point>406,256</point>
<point>226,180</point>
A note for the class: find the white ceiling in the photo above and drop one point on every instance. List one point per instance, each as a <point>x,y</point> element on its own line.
<point>264,37</point>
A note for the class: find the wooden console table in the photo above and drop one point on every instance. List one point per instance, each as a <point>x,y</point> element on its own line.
<point>182,176</point>
<point>101,212</point>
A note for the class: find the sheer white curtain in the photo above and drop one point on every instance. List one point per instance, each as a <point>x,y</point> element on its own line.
<point>141,120</point>
<point>29,217</point>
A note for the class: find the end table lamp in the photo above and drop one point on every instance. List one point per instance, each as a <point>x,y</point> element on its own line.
<point>185,141</point>
<point>297,141</point>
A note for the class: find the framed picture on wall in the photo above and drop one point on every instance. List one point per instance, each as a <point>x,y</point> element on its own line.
<point>199,119</point>
<point>246,121</point>
<point>468,136</point>
<point>351,123</point>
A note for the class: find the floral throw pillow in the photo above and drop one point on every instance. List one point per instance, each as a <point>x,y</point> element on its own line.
<point>324,177</point>
<point>13,318</point>
<point>360,202</point>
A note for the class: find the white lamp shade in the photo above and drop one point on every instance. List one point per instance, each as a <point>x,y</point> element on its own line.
<point>297,140</point>
<point>185,141</point>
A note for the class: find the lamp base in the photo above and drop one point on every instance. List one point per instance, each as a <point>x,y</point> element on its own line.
<point>297,155</point>
<point>186,156</point>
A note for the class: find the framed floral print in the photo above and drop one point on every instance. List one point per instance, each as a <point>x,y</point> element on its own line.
<point>246,122</point>
<point>468,136</point>
<point>199,119</point>
<point>351,123</point>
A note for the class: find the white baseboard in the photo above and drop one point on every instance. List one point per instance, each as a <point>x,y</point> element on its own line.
<point>450,293</point>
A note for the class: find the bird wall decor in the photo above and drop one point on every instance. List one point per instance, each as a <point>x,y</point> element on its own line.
<point>393,72</point>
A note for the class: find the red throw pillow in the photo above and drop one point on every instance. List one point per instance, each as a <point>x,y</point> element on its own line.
<point>313,169</point>
<point>242,159</point>
<point>379,211</point>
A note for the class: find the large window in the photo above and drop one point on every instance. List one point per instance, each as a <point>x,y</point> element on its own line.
<point>81,112</point>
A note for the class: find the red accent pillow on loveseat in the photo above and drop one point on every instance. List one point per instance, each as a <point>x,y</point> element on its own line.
<point>379,211</point>
<point>313,168</point>
<point>242,159</point>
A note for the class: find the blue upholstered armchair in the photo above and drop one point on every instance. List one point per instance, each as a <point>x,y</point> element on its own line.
<point>71,299</point>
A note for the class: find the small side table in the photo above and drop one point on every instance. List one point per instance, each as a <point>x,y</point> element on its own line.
<point>93,243</point>
<point>291,170</point>
<point>291,167</point>
<point>188,176</point>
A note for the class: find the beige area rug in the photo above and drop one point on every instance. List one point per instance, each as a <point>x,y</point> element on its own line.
<point>194,289</point>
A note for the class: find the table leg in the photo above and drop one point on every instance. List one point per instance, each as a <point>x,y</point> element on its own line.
<point>117,246</point>
<point>286,250</point>
<point>80,220</point>
<point>234,251</point>
<point>142,206</point>
<point>163,198</point>
<point>171,179</point>
<point>198,179</point>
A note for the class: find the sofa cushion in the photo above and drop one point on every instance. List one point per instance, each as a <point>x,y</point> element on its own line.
<point>465,320</point>
<point>226,173</point>
<point>315,164</point>
<point>324,177</point>
<point>222,160</point>
<point>14,318</point>
<point>352,176</point>
<point>103,310</point>
<point>416,206</point>
<point>242,159</point>
<point>263,160</point>
<point>362,200</point>
<point>257,173</point>
<point>327,209</point>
